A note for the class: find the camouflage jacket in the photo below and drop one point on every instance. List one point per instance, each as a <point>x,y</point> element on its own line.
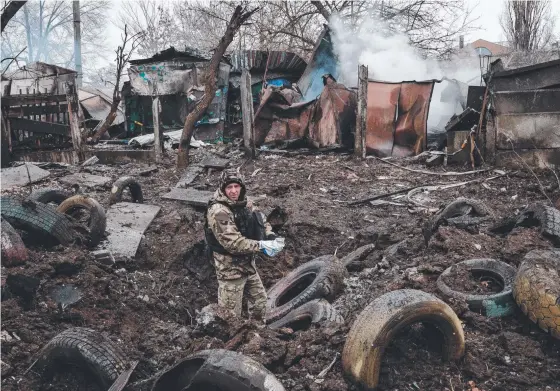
<point>240,260</point>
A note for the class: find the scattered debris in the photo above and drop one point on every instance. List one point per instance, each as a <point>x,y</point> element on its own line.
<point>66,295</point>
<point>23,175</point>
<point>91,161</point>
<point>86,180</point>
<point>190,196</point>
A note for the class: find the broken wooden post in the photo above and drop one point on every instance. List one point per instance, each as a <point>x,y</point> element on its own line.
<point>73,119</point>
<point>361,116</point>
<point>247,112</point>
<point>157,140</point>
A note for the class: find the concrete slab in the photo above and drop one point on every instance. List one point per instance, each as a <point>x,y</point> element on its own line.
<point>213,161</point>
<point>190,196</point>
<point>189,176</point>
<point>18,176</point>
<point>86,180</point>
<point>126,224</point>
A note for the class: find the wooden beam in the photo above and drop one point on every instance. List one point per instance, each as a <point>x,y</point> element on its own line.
<point>38,126</point>
<point>361,113</point>
<point>73,119</point>
<point>247,113</point>
<point>156,108</point>
<point>35,99</point>
<point>35,110</point>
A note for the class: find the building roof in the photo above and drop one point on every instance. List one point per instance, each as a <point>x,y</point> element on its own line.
<point>256,60</point>
<point>495,49</point>
<point>189,54</point>
<point>39,69</point>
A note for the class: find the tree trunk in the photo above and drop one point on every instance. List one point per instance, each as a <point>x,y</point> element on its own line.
<point>107,122</point>
<point>238,18</point>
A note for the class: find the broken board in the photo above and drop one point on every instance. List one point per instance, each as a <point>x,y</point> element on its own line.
<point>18,176</point>
<point>126,224</point>
<point>86,180</point>
<point>190,196</point>
<point>189,176</point>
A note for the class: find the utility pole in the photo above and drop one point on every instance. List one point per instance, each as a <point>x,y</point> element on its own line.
<point>77,42</point>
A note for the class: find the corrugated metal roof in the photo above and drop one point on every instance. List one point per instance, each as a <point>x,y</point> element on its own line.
<point>255,60</point>
<point>98,107</point>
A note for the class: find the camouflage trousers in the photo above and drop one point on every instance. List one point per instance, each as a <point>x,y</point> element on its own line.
<point>230,295</point>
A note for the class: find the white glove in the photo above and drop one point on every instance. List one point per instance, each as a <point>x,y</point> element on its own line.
<point>271,247</point>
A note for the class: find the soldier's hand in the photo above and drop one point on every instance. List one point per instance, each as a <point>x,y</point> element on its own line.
<point>271,247</point>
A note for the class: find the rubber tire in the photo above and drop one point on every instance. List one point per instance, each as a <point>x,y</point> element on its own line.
<point>121,184</point>
<point>358,255</point>
<point>318,311</point>
<point>35,216</point>
<point>97,221</point>
<point>48,195</point>
<point>536,215</point>
<point>537,289</point>
<point>495,305</point>
<point>88,349</point>
<point>14,252</point>
<point>329,279</point>
<point>383,318</point>
<point>453,210</point>
<point>229,370</point>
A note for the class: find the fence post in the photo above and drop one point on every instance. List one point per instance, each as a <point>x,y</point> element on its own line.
<point>157,140</point>
<point>247,111</point>
<point>73,120</point>
<point>361,116</point>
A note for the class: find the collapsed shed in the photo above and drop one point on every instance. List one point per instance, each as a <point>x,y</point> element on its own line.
<point>524,118</point>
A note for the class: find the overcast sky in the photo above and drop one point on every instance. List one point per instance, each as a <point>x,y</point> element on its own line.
<point>487,11</point>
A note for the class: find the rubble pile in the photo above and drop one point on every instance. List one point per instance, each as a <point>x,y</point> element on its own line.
<point>147,290</point>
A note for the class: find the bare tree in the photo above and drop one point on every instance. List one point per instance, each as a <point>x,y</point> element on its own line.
<point>124,52</point>
<point>155,20</point>
<point>528,24</point>
<point>45,28</point>
<point>239,17</point>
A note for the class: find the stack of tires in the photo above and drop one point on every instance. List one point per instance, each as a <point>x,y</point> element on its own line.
<point>303,297</point>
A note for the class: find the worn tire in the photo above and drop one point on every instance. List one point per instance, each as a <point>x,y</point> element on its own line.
<point>316,311</point>
<point>383,318</point>
<point>460,207</point>
<point>49,195</point>
<point>545,217</point>
<point>495,305</point>
<point>320,278</point>
<point>97,221</point>
<point>120,185</point>
<point>537,289</point>
<point>223,369</point>
<point>14,252</point>
<point>88,349</point>
<point>34,216</point>
<point>358,255</point>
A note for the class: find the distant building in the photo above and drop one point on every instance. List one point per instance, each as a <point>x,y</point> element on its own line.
<point>487,48</point>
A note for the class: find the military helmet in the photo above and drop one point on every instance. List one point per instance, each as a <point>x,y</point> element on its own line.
<point>231,175</point>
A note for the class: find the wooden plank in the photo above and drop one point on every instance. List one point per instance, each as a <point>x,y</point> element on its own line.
<point>247,113</point>
<point>361,113</point>
<point>35,110</point>
<point>17,100</point>
<point>156,108</point>
<point>73,118</point>
<point>39,126</point>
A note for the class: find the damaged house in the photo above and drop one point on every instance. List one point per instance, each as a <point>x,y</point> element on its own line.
<point>40,112</point>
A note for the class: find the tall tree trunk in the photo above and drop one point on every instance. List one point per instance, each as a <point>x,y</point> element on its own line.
<point>240,15</point>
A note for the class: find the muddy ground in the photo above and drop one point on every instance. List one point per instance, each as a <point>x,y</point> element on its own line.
<point>149,305</point>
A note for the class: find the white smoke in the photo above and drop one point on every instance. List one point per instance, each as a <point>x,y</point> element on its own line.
<point>390,57</point>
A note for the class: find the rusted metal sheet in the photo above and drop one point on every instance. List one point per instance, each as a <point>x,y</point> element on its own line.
<point>410,128</point>
<point>381,113</point>
<point>328,121</point>
<point>334,117</point>
<point>397,116</point>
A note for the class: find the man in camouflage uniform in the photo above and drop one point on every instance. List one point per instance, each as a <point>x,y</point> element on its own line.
<point>234,241</point>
